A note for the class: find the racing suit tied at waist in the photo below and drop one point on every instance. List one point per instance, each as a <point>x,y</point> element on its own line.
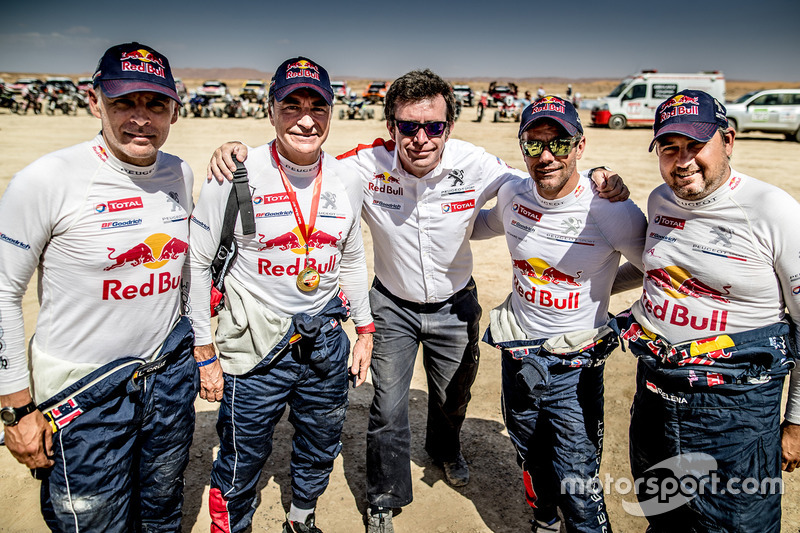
<point>738,361</point>
<point>578,349</point>
<point>249,333</point>
<point>126,372</point>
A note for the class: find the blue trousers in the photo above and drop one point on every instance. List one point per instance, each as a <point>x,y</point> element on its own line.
<point>449,334</point>
<point>252,405</point>
<point>559,440</point>
<point>122,445</point>
<point>712,420</point>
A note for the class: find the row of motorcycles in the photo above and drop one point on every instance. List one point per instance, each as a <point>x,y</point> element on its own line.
<point>47,99</point>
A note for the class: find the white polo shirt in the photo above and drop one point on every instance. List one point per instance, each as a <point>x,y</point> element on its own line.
<point>421,226</point>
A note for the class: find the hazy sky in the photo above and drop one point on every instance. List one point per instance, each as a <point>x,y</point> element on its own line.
<point>383,39</point>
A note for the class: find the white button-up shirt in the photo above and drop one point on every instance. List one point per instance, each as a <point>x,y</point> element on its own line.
<point>421,226</point>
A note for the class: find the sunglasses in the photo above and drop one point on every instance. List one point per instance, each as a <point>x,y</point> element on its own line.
<point>557,147</point>
<point>409,128</point>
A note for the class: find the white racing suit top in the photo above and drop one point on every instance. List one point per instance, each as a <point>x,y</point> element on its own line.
<point>421,226</point>
<point>565,254</point>
<point>268,262</point>
<point>724,264</point>
<point>109,240</point>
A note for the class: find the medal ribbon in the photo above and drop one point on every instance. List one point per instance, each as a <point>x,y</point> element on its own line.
<point>305,231</point>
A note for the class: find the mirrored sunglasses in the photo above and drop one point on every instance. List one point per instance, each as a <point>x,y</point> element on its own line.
<point>557,147</point>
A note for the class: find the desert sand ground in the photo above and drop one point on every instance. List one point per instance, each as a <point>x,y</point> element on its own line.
<point>493,501</point>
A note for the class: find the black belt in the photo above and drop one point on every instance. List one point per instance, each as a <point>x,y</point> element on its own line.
<point>421,307</point>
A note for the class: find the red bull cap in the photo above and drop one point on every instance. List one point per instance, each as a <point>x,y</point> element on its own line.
<point>695,114</point>
<point>133,67</point>
<point>553,108</point>
<point>299,73</point>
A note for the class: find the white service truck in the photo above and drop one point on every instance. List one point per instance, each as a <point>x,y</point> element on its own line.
<point>634,101</point>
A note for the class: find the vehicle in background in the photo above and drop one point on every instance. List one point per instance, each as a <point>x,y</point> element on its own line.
<point>61,85</point>
<point>341,91</point>
<point>16,87</point>
<point>635,99</point>
<point>213,89</point>
<point>253,91</point>
<point>376,92</point>
<point>769,111</point>
<point>355,109</point>
<point>84,84</point>
<point>509,108</point>
<point>498,93</point>
<point>466,93</point>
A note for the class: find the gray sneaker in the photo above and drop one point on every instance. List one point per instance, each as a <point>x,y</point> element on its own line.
<point>456,473</point>
<point>379,521</point>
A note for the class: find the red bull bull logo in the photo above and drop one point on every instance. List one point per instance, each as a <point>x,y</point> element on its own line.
<point>154,252</point>
<point>100,152</point>
<point>542,273</point>
<point>680,99</point>
<point>142,55</point>
<point>293,240</point>
<point>679,283</point>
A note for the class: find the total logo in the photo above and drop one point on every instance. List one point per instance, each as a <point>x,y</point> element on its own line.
<point>527,212</point>
<point>455,207</point>
<point>153,253</point>
<point>123,204</point>
<point>271,198</point>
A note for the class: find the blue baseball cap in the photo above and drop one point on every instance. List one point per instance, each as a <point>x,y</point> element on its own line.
<point>299,73</point>
<point>695,114</point>
<point>133,67</point>
<point>554,108</point>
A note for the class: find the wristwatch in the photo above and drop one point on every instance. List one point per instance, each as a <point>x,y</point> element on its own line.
<point>12,415</point>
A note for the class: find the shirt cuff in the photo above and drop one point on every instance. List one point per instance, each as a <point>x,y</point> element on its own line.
<point>369,328</point>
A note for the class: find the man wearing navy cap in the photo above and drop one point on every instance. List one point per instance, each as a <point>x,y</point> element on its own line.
<point>105,416</point>
<point>712,333</point>
<point>565,244</point>
<point>292,284</point>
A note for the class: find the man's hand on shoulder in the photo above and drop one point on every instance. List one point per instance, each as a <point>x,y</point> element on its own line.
<point>609,184</point>
<point>221,166</point>
<point>790,446</point>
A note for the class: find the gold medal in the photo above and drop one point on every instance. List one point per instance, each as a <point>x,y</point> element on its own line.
<point>308,279</point>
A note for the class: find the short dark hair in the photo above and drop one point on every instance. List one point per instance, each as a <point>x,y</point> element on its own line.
<point>416,86</point>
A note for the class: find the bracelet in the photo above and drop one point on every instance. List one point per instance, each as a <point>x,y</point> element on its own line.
<point>369,328</point>
<point>207,361</point>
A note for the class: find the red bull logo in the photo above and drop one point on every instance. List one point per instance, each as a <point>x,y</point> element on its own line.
<point>293,240</point>
<point>679,105</point>
<point>542,273</point>
<point>734,182</point>
<point>268,268</point>
<point>543,298</point>
<point>154,252</point>
<point>549,103</point>
<point>383,183</point>
<point>527,212</point>
<point>302,69</point>
<point>679,283</point>
<point>100,152</point>
<point>143,61</point>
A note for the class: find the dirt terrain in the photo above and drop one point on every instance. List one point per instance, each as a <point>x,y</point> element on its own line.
<point>493,501</point>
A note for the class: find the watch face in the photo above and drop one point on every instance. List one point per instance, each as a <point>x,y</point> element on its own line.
<point>7,415</point>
